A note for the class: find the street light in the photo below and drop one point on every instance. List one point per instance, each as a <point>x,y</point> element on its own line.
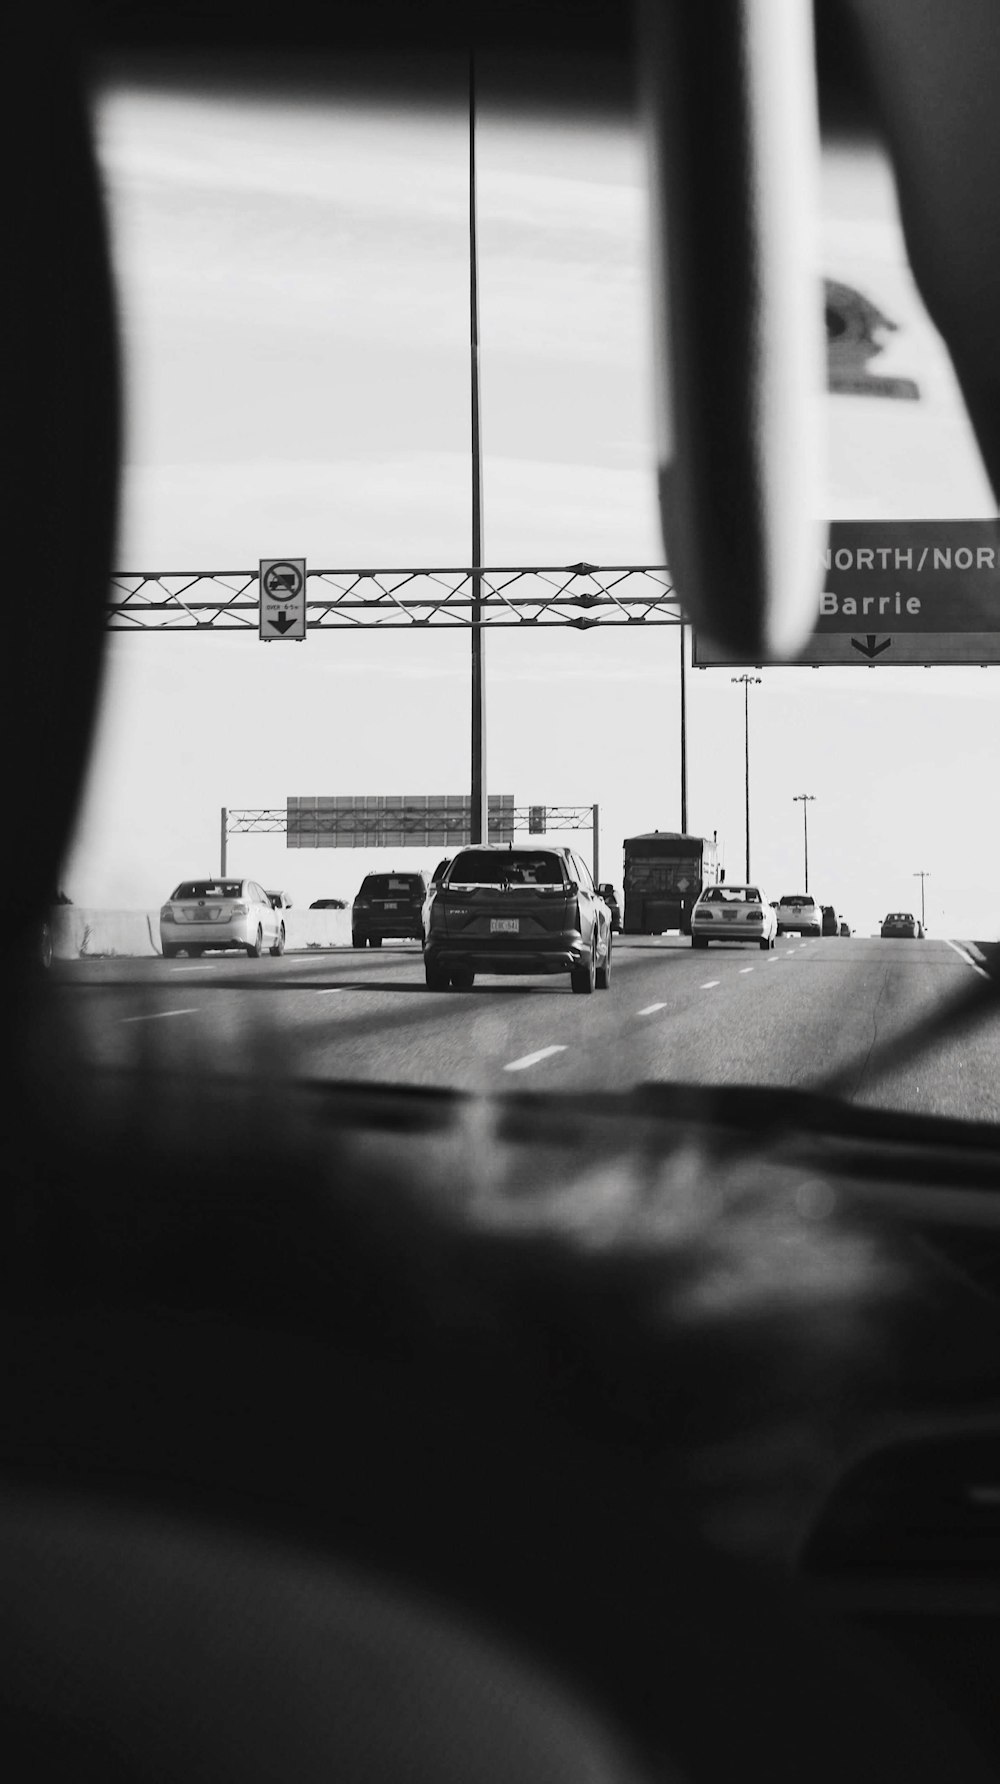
<point>921,876</point>
<point>806,800</point>
<point>746,681</point>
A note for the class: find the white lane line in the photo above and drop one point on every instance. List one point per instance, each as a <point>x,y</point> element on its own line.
<point>192,969</point>
<point>521,1065</point>
<point>155,1015</point>
<point>328,990</point>
<point>746,969</point>
<point>651,1009</point>
<point>710,986</point>
<point>983,974</point>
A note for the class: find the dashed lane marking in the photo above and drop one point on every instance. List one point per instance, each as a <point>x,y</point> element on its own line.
<point>710,985</point>
<point>650,1009</point>
<point>521,1065</point>
<point>155,1015</point>
<point>746,969</point>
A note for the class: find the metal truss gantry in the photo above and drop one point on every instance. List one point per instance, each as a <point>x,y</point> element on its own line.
<point>367,827</point>
<point>577,596</point>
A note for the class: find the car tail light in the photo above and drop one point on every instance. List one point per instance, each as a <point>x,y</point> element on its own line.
<point>167,914</point>
<point>755,916</point>
<point>362,904</point>
<point>238,910</point>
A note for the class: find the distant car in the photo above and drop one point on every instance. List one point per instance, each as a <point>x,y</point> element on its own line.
<point>731,913</point>
<point>280,901</point>
<point>610,898</point>
<point>845,927</point>
<point>220,913</point>
<point>831,922</point>
<point>518,910</point>
<point>902,925</point>
<point>328,904</point>
<point>799,914</point>
<point>388,905</point>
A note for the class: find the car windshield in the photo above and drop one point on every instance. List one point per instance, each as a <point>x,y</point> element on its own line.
<point>583,469</point>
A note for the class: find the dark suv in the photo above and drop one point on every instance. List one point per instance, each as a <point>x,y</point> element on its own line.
<point>388,904</point>
<point>518,910</point>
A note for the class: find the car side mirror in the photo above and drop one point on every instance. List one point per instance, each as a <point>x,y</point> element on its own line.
<point>606,889</point>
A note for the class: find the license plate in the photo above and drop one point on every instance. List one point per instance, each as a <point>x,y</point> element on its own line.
<point>389,907</point>
<point>730,916</point>
<point>504,925</point>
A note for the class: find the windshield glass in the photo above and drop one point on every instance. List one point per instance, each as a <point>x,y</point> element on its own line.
<point>293,279</point>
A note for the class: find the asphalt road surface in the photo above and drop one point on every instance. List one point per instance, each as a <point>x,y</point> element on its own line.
<point>819,1014</point>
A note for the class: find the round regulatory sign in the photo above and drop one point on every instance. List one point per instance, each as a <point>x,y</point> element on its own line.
<point>283,581</point>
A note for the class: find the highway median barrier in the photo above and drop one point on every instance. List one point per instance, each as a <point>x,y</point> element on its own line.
<point>82,933</point>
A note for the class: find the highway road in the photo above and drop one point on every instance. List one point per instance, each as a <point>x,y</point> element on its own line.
<point>813,1014</point>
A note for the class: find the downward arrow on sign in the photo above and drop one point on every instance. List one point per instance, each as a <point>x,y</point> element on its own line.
<point>870,648</point>
<point>282,623</point>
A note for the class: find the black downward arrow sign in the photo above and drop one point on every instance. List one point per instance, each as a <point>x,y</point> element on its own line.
<point>282,623</point>
<point>870,648</point>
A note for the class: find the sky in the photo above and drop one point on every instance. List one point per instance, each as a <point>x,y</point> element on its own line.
<point>293,292</point>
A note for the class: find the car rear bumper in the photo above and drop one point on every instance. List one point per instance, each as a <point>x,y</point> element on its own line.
<point>234,934</point>
<point>508,954</point>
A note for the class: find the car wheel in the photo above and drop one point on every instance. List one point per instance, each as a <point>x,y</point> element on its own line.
<point>256,948</point>
<point>603,974</point>
<point>584,978</point>
<point>463,978</point>
<point>699,941</point>
<point>374,941</point>
<point>45,945</point>
<point>357,939</point>
<point>169,951</point>
<point>764,947</point>
<point>279,946</point>
<point>438,978</point>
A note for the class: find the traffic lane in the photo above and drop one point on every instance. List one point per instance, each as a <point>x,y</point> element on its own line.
<point>841,1003</point>
<point>955,1073</point>
<point>359,1015</point>
<point>722,1015</point>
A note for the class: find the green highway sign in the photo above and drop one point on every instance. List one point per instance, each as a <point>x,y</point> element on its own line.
<point>899,591</point>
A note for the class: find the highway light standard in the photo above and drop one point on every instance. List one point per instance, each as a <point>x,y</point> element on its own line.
<point>806,799</point>
<point>746,681</point>
<point>921,876</point>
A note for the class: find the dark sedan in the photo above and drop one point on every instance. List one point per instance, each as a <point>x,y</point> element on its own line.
<point>901,924</point>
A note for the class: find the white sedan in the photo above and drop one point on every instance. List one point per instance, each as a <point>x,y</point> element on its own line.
<point>733,914</point>
<point>220,913</point>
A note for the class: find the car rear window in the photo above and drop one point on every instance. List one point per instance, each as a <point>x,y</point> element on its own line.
<point>388,885</point>
<point>731,895</point>
<point>514,867</point>
<point>797,898</point>
<point>209,889</point>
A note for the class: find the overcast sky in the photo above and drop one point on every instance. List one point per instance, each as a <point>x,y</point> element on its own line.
<point>294,300</point>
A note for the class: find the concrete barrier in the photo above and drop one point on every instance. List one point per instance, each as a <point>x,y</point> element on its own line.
<point>79,933</point>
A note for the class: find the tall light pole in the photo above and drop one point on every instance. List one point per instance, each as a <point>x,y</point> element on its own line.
<point>479,829</point>
<point>921,876</point>
<point>746,681</point>
<point>806,799</point>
